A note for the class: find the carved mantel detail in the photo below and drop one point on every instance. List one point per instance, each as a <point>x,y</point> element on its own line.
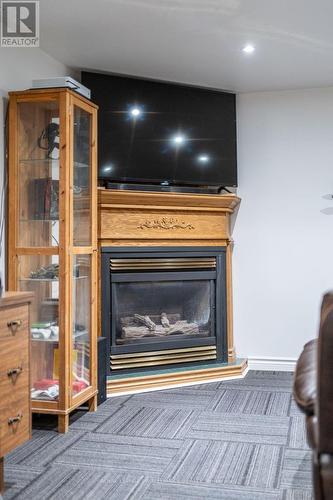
<point>165,223</point>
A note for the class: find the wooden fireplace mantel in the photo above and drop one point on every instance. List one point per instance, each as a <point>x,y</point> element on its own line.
<point>137,218</point>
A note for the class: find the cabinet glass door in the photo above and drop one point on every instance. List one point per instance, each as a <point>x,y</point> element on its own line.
<point>81,329</point>
<point>82,178</point>
<point>40,274</point>
<point>38,174</point>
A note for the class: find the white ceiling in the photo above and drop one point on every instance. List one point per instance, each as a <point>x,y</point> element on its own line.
<point>196,41</point>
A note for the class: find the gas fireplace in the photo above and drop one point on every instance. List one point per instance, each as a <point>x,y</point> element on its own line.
<point>164,306</point>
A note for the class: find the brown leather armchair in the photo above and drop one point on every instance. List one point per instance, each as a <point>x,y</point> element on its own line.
<point>313,392</point>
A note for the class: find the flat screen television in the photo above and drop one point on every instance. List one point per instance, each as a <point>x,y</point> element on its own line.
<point>153,132</point>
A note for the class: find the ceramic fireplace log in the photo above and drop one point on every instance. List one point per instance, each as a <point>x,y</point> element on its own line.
<point>183,328</point>
<point>156,318</point>
<point>179,328</point>
<point>165,320</point>
<point>146,321</point>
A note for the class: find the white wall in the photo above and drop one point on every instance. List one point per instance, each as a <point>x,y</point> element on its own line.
<point>283,258</point>
<point>18,67</point>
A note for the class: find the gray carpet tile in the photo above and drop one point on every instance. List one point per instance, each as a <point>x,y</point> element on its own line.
<point>187,398</point>
<point>264,381</point>
<point>241,428</point>
<point>93,420</point>
<point>172,491</point>
<point>273,374</point>
<point>237,439</point>
<point>296,471</point>
<point>75,484</point>
<point>226,463</point>
<point>297,495</point>
<point>297,433</point>
<point>43,449</point>
<point>294,411</point>
<point>252,402</point>
<point>107,451</point>
<point>18,478</point>
<point>152,422</point>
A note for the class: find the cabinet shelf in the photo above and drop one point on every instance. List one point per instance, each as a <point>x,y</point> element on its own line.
<point>50,280</point>
<point>76,335</point>
<point>38,160</point>
<point>40,220</point>
<point>49,162</point>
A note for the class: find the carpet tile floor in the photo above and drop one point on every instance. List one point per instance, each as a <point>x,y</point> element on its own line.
<point>232,440</point>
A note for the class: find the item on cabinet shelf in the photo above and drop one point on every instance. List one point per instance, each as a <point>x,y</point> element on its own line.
<point>44,195</point>
<point>50,272</point>
<point>43,324</point>
<point>82,147</point>
<point>77,271</point>
<point>55,373</point>
<point>79,385</point>
<point>81,362</point>
<point>49,140</point>
<point>51,392</point>
<point>45,389</point>
<point>49,310</point>
<point>50,332</point>
<point>79,331</point>
<point>44,384</point>
<point>61,81</point>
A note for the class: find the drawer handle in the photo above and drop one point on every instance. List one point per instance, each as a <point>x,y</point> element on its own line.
<point>14,325</point>
<point>14,420</point>
<point>14,372</point>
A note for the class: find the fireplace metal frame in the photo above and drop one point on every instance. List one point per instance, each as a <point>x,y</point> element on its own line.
<point>108,278</point>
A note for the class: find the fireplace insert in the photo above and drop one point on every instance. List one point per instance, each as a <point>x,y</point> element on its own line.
<point>163,306</point>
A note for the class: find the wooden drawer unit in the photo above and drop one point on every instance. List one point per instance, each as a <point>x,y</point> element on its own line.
<point>15,423</point>
<point>14,379</point>
<point>14,324</point>
<point>15,413</point>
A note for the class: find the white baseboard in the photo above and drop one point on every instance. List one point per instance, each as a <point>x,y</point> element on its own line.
<point>272,364</point>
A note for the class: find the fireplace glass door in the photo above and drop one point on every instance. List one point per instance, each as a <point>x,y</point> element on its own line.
<point>162,307</point>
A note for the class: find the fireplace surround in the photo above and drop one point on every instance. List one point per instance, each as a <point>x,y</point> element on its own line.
<point>164,306</point>
<point>168,257</point>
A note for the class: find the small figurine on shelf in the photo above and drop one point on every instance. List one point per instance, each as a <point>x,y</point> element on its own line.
<point>50,272</point>
<point>49,140</point>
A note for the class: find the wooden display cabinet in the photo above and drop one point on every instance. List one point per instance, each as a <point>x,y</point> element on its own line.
<point>52,235</point>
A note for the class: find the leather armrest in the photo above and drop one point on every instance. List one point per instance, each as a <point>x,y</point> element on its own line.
<point>305,379</point>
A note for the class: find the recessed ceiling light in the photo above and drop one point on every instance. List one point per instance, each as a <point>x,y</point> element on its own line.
<point>135,112</point>
<point>248,49</point>
<point>178,139</point>
<point>203,158</point>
